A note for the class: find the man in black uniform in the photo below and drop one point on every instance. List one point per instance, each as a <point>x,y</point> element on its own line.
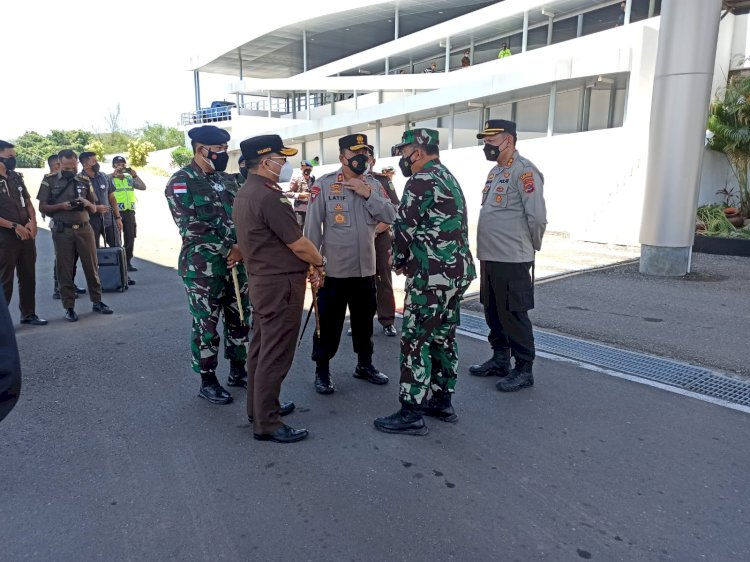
<point>103,224</point>
<point>17,234</point>
<point>69,198</point>
<point>277,258</point>
<point>10,364</point>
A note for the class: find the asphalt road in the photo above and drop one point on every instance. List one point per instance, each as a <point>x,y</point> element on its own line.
<point>110,455</point>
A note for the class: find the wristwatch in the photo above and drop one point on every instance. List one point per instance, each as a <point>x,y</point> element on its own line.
<point>325,261</point>
<point>13,226</point>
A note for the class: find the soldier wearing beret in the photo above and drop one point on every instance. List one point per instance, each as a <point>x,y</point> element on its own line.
<point>278,258</point>
<point>386,302</point>
<point>430,247</point>
<point>242,175</point>
<point>345,207</point>
<point>511,226</point>
<point>200,197</point>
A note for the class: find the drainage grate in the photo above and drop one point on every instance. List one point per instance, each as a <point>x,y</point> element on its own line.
<point>665,371</point>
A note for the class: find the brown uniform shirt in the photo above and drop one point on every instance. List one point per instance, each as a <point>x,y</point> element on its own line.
<point>70,190</point>
<point>265,224</point>
<point>13,197</point>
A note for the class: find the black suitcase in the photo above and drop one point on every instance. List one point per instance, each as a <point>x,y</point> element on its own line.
<point>113,269</point>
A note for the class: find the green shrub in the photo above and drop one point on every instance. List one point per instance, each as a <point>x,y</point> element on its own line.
<point>97,147</point>
<point>181,156</point>
<point>138,152</point>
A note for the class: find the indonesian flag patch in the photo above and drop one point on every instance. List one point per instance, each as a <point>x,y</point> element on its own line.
<point>179,188</point>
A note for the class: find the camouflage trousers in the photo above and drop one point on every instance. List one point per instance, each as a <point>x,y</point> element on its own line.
<point>429,351</point>
<point>209,298</point>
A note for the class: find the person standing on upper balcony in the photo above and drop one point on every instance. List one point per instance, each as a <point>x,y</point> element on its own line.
<point>504,52</point>
<point>465,61</point>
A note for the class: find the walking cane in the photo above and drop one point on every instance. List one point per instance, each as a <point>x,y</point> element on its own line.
<point>309,313</point>
<point>237,294</point>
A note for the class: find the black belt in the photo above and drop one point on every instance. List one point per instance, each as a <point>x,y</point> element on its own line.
<point>74,225</point>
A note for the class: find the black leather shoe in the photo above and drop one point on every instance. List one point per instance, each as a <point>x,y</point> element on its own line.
<point>408,421</point>
<point>131,281</point>
<point>285,408</point>
<point>34,320</point>
<point>284,434</point>
<point>56,295</point>
<point>390,330</point>
<point>132,268</point>
<point>520,377</point>
<point>324,382</point>
<point>214,393</point>
<point>439,406</point>
<point>101,308</point>
<point>496,366</point>
<point>370,374</point>
<point>237,377</point>
<point>80,290</point>
<point>70,315</point>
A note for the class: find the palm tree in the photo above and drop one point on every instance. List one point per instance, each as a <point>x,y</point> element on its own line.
<point>729,121</point>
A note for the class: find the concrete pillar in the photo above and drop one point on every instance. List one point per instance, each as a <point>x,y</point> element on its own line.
<point>688,35</point>
<point>447,54</point>
<point>525,40</point>
<point>549,30</point>
<point>579,28</point>
<point>551,112</point>
<point>451,126</point>
<point>322,153</point>
<point>269,103</point>
<point>651,8</point>
<point>628,7</point>
<point>241,101</point>
<point>197,88</point>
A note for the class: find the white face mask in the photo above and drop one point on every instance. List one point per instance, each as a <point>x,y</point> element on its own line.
<point>285,173</point>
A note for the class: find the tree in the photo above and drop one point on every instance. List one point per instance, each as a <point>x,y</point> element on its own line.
<point>161,136</point>
<point>97,147</point>
<point>729,121</point>
<point>33,149</point>
<point>138,152</point>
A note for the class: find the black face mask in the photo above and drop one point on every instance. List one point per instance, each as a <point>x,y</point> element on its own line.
<point>358,163</point>
<point>491,152</point>
<point>219,160</point>
<point>68,175</point>
<point>405,165</point>
<point>243,171</point>
<point>95,168</point>
<point>10,162</point>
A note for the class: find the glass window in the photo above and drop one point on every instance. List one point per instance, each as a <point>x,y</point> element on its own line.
<point>564,30</point>
<point>567,105</point>
<point>531,114</point>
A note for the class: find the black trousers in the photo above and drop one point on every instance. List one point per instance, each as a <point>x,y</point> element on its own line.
<point>507,294</point>
<point>129,229</point>
<point>358,293</point>
<point>111,237</point>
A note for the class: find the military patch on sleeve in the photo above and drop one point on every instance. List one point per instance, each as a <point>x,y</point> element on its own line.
<point>527,179</point>
<point>179,188</point>
<point>314,192</point>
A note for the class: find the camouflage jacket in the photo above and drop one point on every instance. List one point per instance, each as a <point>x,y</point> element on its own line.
<point>431,235</point>
<point>201,206</point>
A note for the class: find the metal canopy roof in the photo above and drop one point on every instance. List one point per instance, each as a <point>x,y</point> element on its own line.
<point>331,37</point>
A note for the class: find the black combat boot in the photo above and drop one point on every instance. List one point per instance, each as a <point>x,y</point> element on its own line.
<point>408,421</point>
<point>439,406</point>
<point>498,365</point>
<point>237,375</point>
<point>212,391</point>
<point>323,382</point>
<point>520,377</point>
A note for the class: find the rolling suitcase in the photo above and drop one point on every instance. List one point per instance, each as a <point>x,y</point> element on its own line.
<point>113,269</point>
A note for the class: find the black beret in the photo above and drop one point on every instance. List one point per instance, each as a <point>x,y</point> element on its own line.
<point>209,135</point>
<point>264,144</point>
<point>353,142</point>
<point>495,126</point>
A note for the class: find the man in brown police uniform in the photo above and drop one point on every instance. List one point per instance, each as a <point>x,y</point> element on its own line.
<point>277,258</point>
<point>17,234</point>
<point>383,242</point>
<point>69,198</point>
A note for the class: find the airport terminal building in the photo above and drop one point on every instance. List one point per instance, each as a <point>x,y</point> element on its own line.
<point>578,82</point>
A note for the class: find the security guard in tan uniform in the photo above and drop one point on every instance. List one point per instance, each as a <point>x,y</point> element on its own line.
<point>512,222</point>
<point>345,207</point>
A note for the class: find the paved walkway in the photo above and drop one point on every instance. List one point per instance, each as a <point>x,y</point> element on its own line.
<point>109,454</point>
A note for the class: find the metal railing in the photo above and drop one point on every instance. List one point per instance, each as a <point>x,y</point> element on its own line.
<point>208,115</point>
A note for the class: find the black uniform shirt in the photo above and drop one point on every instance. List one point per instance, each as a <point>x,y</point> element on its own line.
<point>72,189</point>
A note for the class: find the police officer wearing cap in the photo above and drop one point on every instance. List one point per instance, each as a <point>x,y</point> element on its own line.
<point>345,207</point>
<point>512,222</point>
<point>386,302</point>
<point>300,190</point>
<point>278,258</point>
<point>200,197</point>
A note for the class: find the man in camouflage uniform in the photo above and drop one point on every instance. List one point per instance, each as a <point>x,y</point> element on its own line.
<point>431,247</point>
<point>201,196</point>
<point>511,225</point>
